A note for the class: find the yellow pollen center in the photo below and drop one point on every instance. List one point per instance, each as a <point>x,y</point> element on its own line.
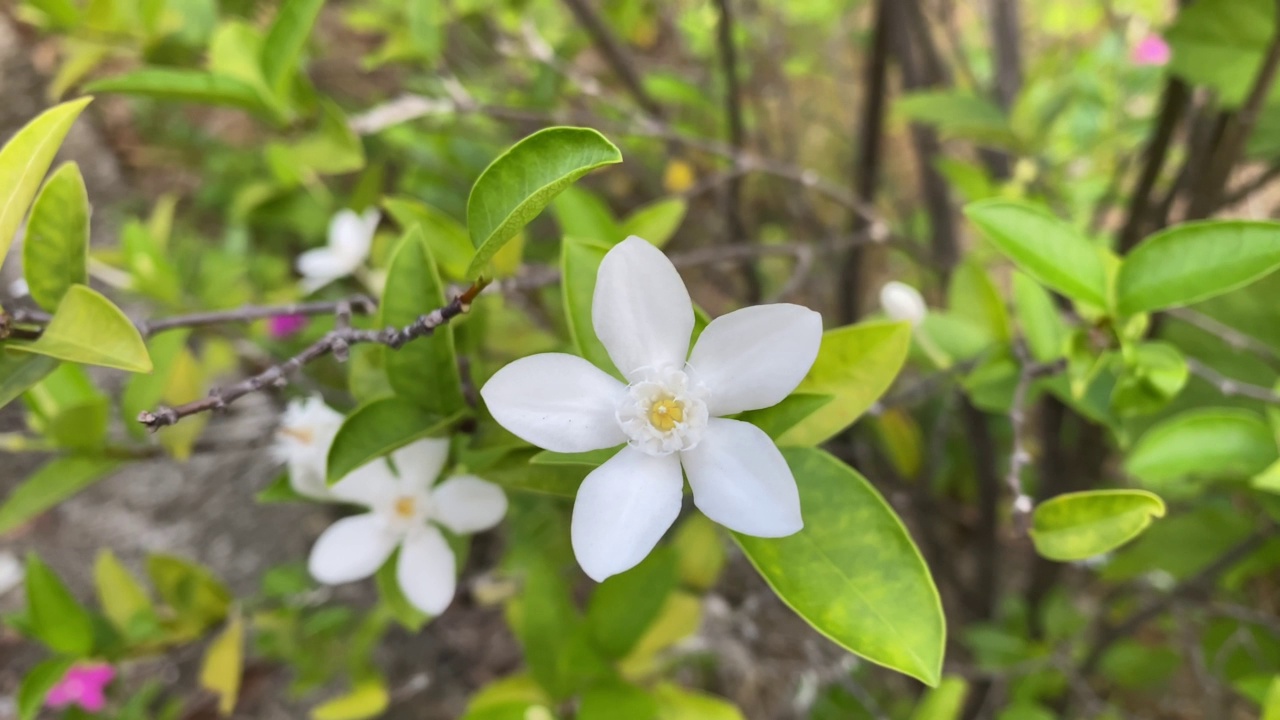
<point>665,413</point>
<point>302,435</point>
<point>405,507</point>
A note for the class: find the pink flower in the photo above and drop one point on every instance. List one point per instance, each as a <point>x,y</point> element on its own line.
<point>282,326</point>
<point>83,685</point>
<point>1152,50</point>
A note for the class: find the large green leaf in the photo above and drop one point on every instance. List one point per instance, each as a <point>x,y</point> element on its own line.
<point>450,245</point>
<point>376,429</point>
<point>623,606</point>
<point>1194,262</point>
<point>579,265</point>
<point>1220,43</point>
<point>1210,442</point>
<point>56,481</point>
<point>1080,525</point>
<point>1044,247</point>
<point>25,159</point>
<point>425,370</point>
<point>282,49</point>
<point>57,620</point>
<point>123,599</point>
<point>616,700</point>
<point>521,182</point>
<point>656,222</point>
<point>55,253</point>
<point>37,683</point>
<point>853,571</point>
<point>88,328</point>
<point>20,371</point>
<point>196,86</point>
<point>1038,319</point>
<point>197,597</point>
<point>856,364</point>
<point>1271,704</point>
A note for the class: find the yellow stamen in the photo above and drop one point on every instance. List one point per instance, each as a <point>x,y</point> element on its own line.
<point>405,507</point>
<point>302,435</point>
<point>665,413</point>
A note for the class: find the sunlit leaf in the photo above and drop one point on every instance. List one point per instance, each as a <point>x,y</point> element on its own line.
<point>282,48</point>
<point>122,597</point>
<point>1081,525</point>
<point>53,483</point>
<point>656,222</point>
<point>224,663</point>
<point>944,702</point>
<point>368,699</point>
<point>177,84</point>
<point>579,264</point>
<point>55,253</point>
<point>88,328</point>
<point>1206,442</point>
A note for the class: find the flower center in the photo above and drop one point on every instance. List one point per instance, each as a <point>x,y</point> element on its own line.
<point>664,411</point>
<point>405,507</point>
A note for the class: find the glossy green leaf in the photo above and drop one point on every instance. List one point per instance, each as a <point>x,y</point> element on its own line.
<point>25,159</point>
<point>53,483</point>
<point>1207,442</point>
<point>88,328</point>
<point>856,364</point>
<point>1043,246</point>
<point>656,222</point>
<point>521,182</point>
<point>677,703</point>
<point>223,665</point>
<point>1220,43</point>
<point>20,371</point>
<point>944,702</point>
<point>37,683</point>
<point>368,699</point>
<point>579,264</point>
<point>1038,319</point>
<point>425,370</point>
<point>450,245</point>
<point>57,619</point>
<point>1194,262</point>
<point>615,700</point>
<point>123,599</point>
<point>285,41</point>
<point>853,571</point>
<point>376,429</point>
<point>623,606</point>
<point>780,418</point>
<point>1081,525</point>
<point>182,85</point>
<point>55,253</point>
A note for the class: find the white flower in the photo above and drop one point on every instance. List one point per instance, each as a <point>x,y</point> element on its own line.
<point>671,414</point>
<point>350,239</point>
<point>404,512</point>
<point>902,302</point>
<point>11,572</point>
<point>302,442</point>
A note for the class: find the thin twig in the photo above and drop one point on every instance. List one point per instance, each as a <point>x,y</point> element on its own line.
<point>615,53</point>
<point>1230,386</point>
<point>1173,102</point>
<point>334,343</point>
<point>1234,338</point>
<point>1019,456</point>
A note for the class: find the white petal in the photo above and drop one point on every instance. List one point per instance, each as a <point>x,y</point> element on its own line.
<point>903,302</point>
<point>427,571</point>
<point>323,264</point>
<point>351,549</point>
<point>419,463</point>
<point>306,477</point>
<point>641,310</point>
<point>556,401</point>
<point>754,357</point>
<point>622,510</point>
<point>372,485</point>
<point>350,235</point>
<point>466,504</point>
<point>369,220</point>
<point>741,481</point>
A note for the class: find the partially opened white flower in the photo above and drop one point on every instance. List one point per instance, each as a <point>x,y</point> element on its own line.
<point>302,443</point>
<point>902,302</point>
<point>671,414</point>
<point>350,239</point>
<point>407,510</point>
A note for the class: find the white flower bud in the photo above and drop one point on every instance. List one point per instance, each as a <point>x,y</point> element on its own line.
<point>11,572</point>
<point>903,302</point>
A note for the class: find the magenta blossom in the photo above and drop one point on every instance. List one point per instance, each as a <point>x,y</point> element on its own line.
<point>282,326</point>
<point>83,685</point>
<point>1152,50</point>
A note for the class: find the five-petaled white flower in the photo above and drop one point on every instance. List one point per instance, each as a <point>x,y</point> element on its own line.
<point>903,302</point>
<point>405,510</point>
<point>350,239</point>
<point>302,443</point>
<point>670,414</point>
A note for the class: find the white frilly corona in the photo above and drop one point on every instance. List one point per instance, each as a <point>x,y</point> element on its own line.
<point>903,303</point>
<point>350,240</point>
<point>670,412</point>
<point>302,443</point>
<point>407,509</point>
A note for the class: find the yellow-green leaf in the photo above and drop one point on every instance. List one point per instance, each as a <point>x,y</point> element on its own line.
<point>1081,525</point>
<point>88,328</point>
<point>55,253</point>
<point>944,702</point>
<point>122,597</point>
<point>224,663</point>
<point>369,698</point>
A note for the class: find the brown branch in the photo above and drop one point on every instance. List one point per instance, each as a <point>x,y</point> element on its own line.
<point>1019,456</point>
<point>615,53</point>
<point>334,343</point>
<point>1173,101</point>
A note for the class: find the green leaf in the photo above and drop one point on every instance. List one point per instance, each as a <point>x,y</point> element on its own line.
<point>368,699</point>
<point>1210,442</point>
<point>55,253</point>
<point>1155,372</point>
<point>56,481</point>
<point>88,328</point>
<point>144,392</point>
<point>1081,525</point>
<point>182,85</point>
<point>123,599</point>
<point>780,418</point>
<point>1194,262</point>
<point>1220,43</point>
<point>282,49</point>
<point>198,598</point>
<point>579,265</point>
<point>1271,706</point>
<point>616,700</point>
<point>590,458</point>
<point>20,371</point>
<point>973,297</point>
<point>448,239</point>
<point>1038,319</point>
<point>656,222</point>
<point>37,683</point>
<point>853,571</point>
<point>521,182</point>
<point>507,698</point>
<point>959,114</point>
<point>623,606</point>
<point>68,409</point>
<point>700,552</point>
<point>856,364</point>
<point>677,703</point>
<point>25,159</point>
<point>425,370</point>
<point>223,665</point>
<point>57,620</point>
<point>944,702</point>
<point>376,429</point>
<point>530,471</point>
<point>582,214</point>
<point>1044,247</point>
